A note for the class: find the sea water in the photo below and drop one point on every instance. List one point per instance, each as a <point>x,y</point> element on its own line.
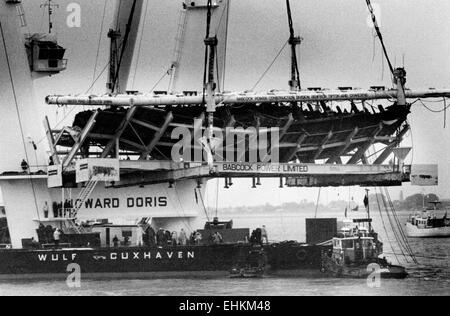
<point>430,277</point>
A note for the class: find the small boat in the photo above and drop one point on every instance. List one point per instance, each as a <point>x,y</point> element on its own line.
<point>247,273</point>
<point>427,225</point>
<point>356,254</point>
<point>253,266</point>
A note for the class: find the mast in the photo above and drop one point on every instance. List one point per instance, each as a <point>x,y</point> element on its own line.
<point>123,35</point>
<point>294,83</point>
<point>210,87</point>
<point>399,74</point>
<point>187,65</point>
<point>50,7</point>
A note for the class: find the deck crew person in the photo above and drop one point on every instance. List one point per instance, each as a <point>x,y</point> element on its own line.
<point>24,165</point>
<point>217,238</point>
<point>264,236</point>
<point>140,235</point>
<point>197,238</point>
<point>168,237</point>
<point>160,237</point>
<point>116,241</point>
<point>57,236</point>
<point>151,236</point>
<point>46,210</point>
<point>182,238</point>
<point>174,238</point>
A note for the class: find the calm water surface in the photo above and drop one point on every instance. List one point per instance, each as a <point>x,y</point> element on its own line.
<point>430,277</point>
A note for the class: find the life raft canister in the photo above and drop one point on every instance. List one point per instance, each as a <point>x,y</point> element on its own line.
<point>301,255</point>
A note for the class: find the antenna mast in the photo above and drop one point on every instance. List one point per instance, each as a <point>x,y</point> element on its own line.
<point>49,5</point>
<point>294,83</point>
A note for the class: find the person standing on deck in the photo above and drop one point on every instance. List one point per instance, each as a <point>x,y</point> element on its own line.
<point>198,238</point>
<point>182,238</point>
<point>116,242</point>
<point>25,166</point>
<point>151,235</point>
<point>57,237</point>
<point>46,210</point>
<point>160,237</point>
<point>140,236</point>
<point>264,236</point>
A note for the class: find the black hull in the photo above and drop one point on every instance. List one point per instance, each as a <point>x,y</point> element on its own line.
<point>176,261</point>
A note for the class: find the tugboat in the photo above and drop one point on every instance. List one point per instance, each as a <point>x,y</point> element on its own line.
<point>356,250</point>
<point>427,225</point>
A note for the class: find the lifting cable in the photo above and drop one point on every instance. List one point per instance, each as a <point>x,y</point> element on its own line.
<point>394,224</point>
<point>394,230</point>
<point>99,40</point>
<point>203,203</point>
<point>317,204</point>
<point>140,44</point>
<point>185,222</point>
<point>402,233</point>
<point>384,227</point>
<point>270,66</point>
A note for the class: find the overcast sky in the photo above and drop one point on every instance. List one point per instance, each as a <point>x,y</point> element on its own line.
<point>338,50</point>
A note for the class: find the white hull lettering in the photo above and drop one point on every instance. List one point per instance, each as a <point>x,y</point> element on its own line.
<point>131,202</point>
<point>42,257</point>
<point>124,256</point>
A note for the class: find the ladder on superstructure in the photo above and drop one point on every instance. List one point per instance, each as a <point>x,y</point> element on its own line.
<point>84,195</point>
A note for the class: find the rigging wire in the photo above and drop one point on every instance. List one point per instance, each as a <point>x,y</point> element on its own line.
<point>203,204</point>
<point>395,227</point>
<point>140,44</point>
<point>167,73</point>
<point>217,197</point>
<point>384,226</point>
<point>399,225</point>
<point>185,223</point>
<point>380,36</point>
<point>444,110</point>
<point>270,66</point>
<point>394,230</point>
<point>100,40</point>
<point>124,44</point>
<point>446,107</point>
<point>16,102</point>
<point>317,203</point>
<point>425,257</point>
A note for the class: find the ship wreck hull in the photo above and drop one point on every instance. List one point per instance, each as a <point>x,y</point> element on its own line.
<point>307,134</point>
